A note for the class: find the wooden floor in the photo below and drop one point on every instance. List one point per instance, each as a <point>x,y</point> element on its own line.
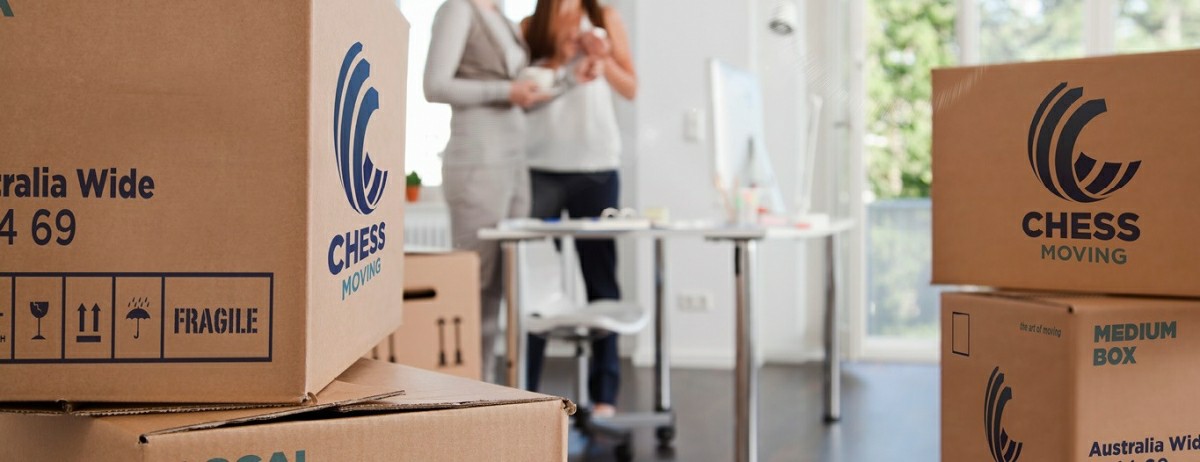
<point>890,414</point>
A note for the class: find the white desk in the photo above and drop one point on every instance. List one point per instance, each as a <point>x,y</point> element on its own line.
<point>745,260</point>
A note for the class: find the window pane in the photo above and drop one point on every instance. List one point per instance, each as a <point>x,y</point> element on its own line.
<point>428,126</point>
<point>516,10</point>
<point>900,301</point>
<point>1030,30</point>
<point>1157,25</point>
<point>906,40</point>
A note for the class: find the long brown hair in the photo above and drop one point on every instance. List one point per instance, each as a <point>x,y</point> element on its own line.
<point>539,33</point>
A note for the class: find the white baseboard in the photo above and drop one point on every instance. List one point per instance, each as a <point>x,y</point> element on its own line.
<point>792,356</point>
<point>708,358</point>
<point>723,359</point>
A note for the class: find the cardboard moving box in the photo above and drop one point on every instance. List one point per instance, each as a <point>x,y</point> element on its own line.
<point>436,418</point>
<point>441,315</point>
<point>1071,175</point>
<point>1069,378</point>
<point>195,202</point>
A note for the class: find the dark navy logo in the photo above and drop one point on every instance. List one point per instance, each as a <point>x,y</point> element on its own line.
<point>1001,447</point>
<point>5,8</point>
<point>1059,170</point>
<point>352,110</point>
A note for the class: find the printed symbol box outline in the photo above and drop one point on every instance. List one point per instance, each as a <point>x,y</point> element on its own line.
<point>63,276</point>
<point>954,333</point>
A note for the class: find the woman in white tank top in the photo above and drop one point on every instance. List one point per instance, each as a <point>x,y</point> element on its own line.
<point>574,151</point>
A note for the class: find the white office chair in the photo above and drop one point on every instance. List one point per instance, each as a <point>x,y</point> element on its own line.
<point>566,315</point>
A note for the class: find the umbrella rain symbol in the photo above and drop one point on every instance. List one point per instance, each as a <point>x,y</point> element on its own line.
<point>138,313</point>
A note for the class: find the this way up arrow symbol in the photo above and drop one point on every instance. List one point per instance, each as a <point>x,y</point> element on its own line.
<point>82,313</point>
<point>96,317</point>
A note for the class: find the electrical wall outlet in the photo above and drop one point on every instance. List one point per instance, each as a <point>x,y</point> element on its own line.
<point>694,302</point>
<point>694,126</point>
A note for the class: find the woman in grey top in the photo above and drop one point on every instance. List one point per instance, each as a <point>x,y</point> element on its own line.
<point>475,55</point>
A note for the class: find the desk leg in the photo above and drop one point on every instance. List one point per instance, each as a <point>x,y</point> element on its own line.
<point>662,333</point>
<point>515,331</point>
<point>746,372</point>
<point>833,366</point>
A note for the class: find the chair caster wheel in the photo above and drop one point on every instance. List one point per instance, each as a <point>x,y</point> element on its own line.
<point>665,435</point>
<point>624,452</point>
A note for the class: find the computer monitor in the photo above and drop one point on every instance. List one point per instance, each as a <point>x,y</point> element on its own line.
<point>740,155</point>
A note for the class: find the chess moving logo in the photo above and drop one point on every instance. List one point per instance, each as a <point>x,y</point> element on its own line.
<point>355,101</point>
<point>1059,170</point>
<point>352,110</point>
<point>1002,447</point>
<point>1078,178</point>
<point>5,9</point>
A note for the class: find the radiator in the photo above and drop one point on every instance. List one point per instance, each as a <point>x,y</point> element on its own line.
<point>427,226</point>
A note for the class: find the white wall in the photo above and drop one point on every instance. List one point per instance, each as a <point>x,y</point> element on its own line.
<point>674,41</point>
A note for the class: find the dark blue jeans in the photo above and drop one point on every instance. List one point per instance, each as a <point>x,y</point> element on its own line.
<point>583,195</point>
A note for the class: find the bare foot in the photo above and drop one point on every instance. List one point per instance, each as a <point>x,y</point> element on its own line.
<point>604,410</point>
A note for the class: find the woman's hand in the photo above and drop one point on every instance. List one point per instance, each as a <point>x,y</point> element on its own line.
<point>526,94</point>
<point>596,44</point>
<point>589,69</point>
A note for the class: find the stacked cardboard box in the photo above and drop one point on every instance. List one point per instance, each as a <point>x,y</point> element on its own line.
<point>195,199</point>
<point>362,416</point>
<point>1073,179</point>
<point>441,330</point>
<point>201,203</point>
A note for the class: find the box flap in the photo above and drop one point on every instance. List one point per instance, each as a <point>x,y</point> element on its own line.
<point>111,409</point>
<point>1057,300</point>
<point>368,386</point>
<point>338,393</point>
<point>33,408</point>
<point>425,390</point>
<point>1073,302</point>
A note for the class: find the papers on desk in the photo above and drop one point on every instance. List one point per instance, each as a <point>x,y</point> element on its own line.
<point>576,224</point>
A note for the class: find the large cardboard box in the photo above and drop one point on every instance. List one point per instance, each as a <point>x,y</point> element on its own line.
<point>195,201</point>
<point>441,330</point>
<point>1068,175</point>
<point>436,418</point>
<point>1069,378</point>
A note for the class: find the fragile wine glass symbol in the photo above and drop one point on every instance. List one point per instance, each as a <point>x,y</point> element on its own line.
<point>39,310</point>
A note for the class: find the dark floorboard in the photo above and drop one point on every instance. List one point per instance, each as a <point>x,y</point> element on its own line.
<point>890,414</point>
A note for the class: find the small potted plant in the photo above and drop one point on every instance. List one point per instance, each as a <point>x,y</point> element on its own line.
<point>413,187</point>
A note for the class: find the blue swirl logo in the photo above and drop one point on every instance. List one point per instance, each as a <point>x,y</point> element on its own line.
<point>1001,447</point>
<point>352,110</point>
<point>1060,171</point>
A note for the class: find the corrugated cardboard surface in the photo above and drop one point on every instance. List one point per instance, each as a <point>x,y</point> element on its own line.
<point>358,320</point>
<point>441,330</point>
<point>1048,396</point>
<point>438,417</point>
<point>1009,150</point>
<point>214,284</point>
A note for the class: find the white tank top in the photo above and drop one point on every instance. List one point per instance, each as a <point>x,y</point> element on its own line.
<point>576,132</point>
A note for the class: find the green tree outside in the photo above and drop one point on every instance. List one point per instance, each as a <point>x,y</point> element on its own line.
<point>1157,25</point>
<point>907,39</point>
